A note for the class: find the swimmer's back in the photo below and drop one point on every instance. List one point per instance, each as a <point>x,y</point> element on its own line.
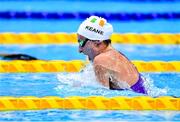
<point>122,68</point>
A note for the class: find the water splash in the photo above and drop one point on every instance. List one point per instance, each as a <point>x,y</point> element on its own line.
<point>80,79</point>
<point>152,90</point>
<point>86,79</point>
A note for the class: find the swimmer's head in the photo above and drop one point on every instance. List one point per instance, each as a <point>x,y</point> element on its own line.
<point>95,28</point>
<point>94,34</point>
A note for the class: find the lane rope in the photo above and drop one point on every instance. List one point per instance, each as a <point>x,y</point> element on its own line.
<point>8,103</point>
<point>123,16</point>
<point>69,38</point>
<point>77,65</point>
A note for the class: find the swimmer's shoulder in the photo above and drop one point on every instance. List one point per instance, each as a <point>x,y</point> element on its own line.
<point>99,59</point>
<point>104,58</point>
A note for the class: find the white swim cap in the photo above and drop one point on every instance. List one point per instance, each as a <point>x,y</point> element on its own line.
<point>95,28</point>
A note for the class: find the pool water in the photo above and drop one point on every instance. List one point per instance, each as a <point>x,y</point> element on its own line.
<point>59,52</point>
<point>171,26</point>
<point>71,25</point>
<point>89,116</point>
<point>80,84</point>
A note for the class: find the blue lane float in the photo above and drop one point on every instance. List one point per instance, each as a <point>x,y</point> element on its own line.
<point>82,15</point>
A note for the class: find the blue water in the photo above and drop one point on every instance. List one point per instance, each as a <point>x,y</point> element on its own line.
<point>159,26</point>
<point>90,116</point>
<point>65,84</point>
<point>88,6</point>
<point>80,84</point>
<point>59,52</point>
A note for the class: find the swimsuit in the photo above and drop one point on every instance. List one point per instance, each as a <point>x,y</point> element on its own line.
<point>138,86</point>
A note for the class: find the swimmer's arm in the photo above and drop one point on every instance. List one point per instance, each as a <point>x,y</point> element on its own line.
<point>107,77</point>
<point>101,71</point>
<point>105,74</point>
<point>102,75</point>
<point>17,57</point>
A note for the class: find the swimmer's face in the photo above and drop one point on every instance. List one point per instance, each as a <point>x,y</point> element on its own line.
<point>86,46</point>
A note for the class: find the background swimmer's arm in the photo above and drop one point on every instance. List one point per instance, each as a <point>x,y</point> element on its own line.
<point>17,57</point>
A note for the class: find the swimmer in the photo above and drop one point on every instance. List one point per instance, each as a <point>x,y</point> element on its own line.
<point>112,69</point>
<point>17,57</point>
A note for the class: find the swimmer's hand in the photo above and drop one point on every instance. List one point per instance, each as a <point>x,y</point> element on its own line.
<point>17,57</point>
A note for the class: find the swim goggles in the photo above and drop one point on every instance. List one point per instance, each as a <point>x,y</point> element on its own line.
<point>82,42</point>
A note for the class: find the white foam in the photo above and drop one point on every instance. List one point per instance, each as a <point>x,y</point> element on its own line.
<point>84,78</point>
<point>87,78</point>
<point>152,90</point>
